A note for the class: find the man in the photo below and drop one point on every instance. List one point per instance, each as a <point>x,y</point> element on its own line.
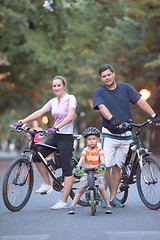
<point>113,100</point>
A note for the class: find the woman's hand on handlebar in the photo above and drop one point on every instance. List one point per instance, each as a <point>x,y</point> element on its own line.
<point>52,130</point>
<point>16,125</point>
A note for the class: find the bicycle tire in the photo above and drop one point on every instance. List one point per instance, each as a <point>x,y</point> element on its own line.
<point>149,192</point>
<point>92,202</point>
<point>122,191</point>
<point>17,184</point>
<point>82,202</point>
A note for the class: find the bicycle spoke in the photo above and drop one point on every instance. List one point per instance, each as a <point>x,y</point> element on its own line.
<point>16,193</point>
<point>17,184</point>
<point>150,182</point>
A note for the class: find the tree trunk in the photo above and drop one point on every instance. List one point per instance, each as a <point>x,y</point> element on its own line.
<point>155,131</point>
<point>155,140</point>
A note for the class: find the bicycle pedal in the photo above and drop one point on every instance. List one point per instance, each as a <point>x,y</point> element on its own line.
<point>44,193</point>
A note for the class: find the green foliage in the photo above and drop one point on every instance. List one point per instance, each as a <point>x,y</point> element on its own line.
<point>41,39</point>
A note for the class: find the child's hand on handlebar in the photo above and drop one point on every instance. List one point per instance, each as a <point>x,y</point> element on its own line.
<point>102,165</point>
<point>79,171</point>
<point>101,168</point>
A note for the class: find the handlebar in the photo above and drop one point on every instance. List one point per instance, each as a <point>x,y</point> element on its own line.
<point>94,169</point>
<point>130,125</point>
<point>88,170</point>
<point>31,132</point>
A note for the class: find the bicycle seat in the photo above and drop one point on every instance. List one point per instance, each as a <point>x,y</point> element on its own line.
<point>45,145</point>
<point>76,137</point>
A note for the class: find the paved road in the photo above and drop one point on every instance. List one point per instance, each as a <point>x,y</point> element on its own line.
<point>37,222</point>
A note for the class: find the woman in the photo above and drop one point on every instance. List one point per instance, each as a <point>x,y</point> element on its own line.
<point>62,108</point>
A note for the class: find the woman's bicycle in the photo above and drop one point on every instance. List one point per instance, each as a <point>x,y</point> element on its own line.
<point>19,178</point>
<point>92,193</point>
<point>142,168</point>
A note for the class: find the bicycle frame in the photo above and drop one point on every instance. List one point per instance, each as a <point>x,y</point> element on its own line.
<point>19,177</point>
<point>34,147</point>
<point>143,169</point>
<point>91,183</point>
<point>139,154</point>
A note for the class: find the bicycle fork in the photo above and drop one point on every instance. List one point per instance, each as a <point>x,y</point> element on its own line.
<point>91,186</point>
<point>141,154</point>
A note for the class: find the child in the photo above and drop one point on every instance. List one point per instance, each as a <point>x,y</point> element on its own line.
<point>91,156</point>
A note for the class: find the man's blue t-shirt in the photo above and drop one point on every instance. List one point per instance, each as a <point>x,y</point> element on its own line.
<point>117,101</point>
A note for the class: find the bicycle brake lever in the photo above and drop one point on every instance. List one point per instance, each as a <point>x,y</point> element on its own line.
<point>126,126</point>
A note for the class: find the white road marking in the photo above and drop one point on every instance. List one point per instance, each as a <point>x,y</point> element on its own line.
<point>25,237</point>
<point>132,235</point>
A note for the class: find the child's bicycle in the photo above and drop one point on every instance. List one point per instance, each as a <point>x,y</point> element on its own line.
<point>92,193</point>
<point>19,178</point>
<point>142,168</point>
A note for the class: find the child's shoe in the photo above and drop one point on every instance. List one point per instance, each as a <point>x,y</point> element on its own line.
<point>71,210</point>
<point>102,203</point>
<point>108,210</point>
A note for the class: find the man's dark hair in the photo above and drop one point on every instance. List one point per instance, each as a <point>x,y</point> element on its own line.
<point>104,68</point>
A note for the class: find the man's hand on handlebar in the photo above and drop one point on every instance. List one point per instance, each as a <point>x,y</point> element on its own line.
<point>116,122</point>
<point>155,120</point>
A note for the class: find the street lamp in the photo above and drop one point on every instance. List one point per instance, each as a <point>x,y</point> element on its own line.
<point>44,119</point>
<point>145,93</point>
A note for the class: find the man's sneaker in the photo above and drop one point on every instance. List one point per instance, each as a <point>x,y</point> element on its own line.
<point>102,203</point>
<point>115,203</point>
<point>59,205</point>
<point>44,189</point>
<point>108,210</point>
<point>71,210</point>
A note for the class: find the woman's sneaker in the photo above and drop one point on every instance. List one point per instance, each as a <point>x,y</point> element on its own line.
<point>44,189</point>
<point>116,203</point>
<point>59,205</point>
<point>71,210</point>
<point>108,210</point>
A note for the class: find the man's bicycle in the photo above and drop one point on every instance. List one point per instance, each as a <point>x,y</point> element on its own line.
<point>142,168</point>
<point>19,178</point>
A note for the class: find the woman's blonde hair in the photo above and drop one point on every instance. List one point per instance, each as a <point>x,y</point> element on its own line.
<point>62,79</point>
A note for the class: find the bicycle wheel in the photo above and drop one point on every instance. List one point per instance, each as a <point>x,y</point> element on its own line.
<point>75,186</point>
<point>148,182</point>
<point>17,184</point>
<point>92,202</point>
<point>122,191</point>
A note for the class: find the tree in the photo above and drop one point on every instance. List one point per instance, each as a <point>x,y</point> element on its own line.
<point>41,39</point>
